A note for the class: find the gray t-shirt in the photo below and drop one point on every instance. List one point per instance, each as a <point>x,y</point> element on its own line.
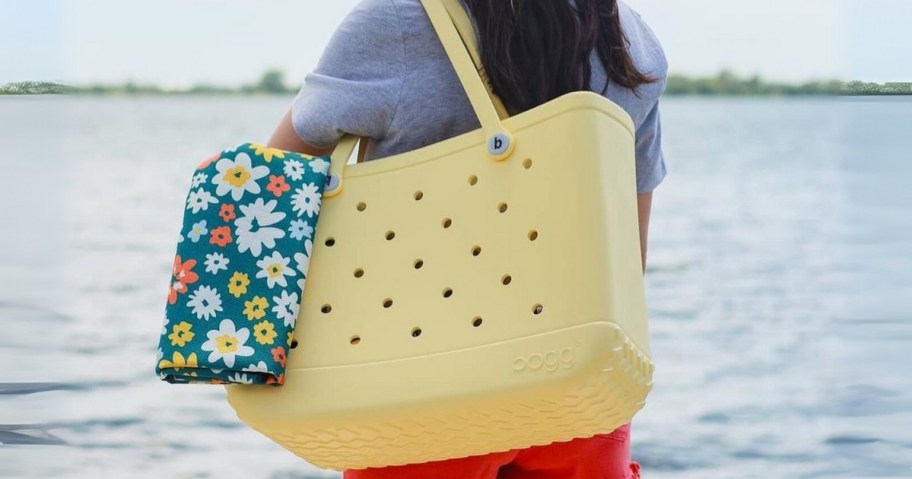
<point>385,75</point>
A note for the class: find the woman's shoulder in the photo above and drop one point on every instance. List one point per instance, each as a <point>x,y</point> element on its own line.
<point>644,44</point>
<point>370,17</point>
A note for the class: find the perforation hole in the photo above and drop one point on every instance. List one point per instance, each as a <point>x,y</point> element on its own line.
<point>447,222</point>
<point>355,340</point>
<point>533,235</point>
<point>330,241</point>
<point>502,207</point>
<point>419,263</point>
<point>537,309</point>
<point>362,206</point>
<point>359,273</point>
<point>476,250</point>
<point>447,292</point>
<point>506,279</point>
<point>387,303</point>
<point>473,180</point>
<point>476,321</point>
<point>390,235</point>
<point>416,332</point>
<point>527,163</point>
<point>294,344</point>
<point>326,308</point>
<point>418,195</point>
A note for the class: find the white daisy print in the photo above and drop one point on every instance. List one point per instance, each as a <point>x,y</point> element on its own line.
<point>199,179</point>
<point>319,165</point>
<point>205,301</point>
<point>200,200</point>
<point>306,199</point>
<point>165,326</point>
<point>238,176</point>
<point>299,229</point>
<point>259,367</point>
<point>254,228</point>
<point>226,343</point>
<point>240,379</point>
<point>216,262</point>
<point>294,169</point>
<point>286,307</point>
<point>275,268</point>
<point>303,260</point>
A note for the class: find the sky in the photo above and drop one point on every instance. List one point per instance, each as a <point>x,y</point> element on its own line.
<point>227,42</point>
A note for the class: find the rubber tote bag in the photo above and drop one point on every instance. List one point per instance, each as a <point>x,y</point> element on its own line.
<point>480,294</point>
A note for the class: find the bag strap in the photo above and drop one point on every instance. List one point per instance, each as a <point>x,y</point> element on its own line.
<point>454,28</point>
<point>466,30</point>
<point>362,148</point>
<point>499,140</point>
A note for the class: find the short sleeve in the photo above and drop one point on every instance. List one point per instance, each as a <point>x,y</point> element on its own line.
<point>357,82</point>
<point>650,160</point>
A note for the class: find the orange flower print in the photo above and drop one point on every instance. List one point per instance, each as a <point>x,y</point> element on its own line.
<point>272,380</point>
<point>278,355</point>
<point>208,161</point>
<point>277,185</point>
<point>227,212</point>
<point>220,236</point>
<point>182,274</point>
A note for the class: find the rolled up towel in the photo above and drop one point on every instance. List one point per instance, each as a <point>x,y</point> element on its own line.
<point>240,267</point>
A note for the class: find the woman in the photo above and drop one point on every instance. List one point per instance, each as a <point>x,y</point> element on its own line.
<point>385,75</point>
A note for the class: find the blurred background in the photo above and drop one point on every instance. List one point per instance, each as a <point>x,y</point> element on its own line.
<point>780,251</point>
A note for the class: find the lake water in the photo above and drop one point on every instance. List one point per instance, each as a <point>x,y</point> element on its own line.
<point>779,289</point>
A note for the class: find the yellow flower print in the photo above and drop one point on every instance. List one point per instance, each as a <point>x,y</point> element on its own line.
<point>264,332</point>
<point>226,344</point>
<point>177,362</point>
<point>238,283</point>
<point>290,338</point>
<point>237,176</point>
<point>267,152</point>
<point>181,334</point>
<point>255,308</point>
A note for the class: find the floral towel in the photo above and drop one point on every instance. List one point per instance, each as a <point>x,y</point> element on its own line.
<point>241,262</point>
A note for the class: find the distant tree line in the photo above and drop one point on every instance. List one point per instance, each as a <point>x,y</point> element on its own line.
<point>273,82</point>
<point>727,83</point>
<point>33,88</point>
<point>894,88</point>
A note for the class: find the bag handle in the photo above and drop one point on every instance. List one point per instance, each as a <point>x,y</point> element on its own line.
<point>464,26</point>
<point>454,28</point>
<point>442,13</point>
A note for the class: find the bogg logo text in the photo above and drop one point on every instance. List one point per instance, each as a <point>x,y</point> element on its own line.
<point>549,361</point>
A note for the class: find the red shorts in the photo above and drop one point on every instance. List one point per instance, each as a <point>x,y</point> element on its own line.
<point>605,456</point>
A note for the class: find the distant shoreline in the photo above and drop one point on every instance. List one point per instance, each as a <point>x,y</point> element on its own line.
<point>724,83</point>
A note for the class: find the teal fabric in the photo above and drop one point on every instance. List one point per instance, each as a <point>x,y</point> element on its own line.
<point>240,268</point>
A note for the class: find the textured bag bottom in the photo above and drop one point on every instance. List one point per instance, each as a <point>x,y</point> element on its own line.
<point>597,398</point>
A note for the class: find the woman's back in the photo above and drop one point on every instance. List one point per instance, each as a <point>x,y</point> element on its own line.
<point>385,75</point>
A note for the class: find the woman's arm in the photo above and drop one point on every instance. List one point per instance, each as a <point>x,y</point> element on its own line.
<point>644,207</point>
<point>285,138</point>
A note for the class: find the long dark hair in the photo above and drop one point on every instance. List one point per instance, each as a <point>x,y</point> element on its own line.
<point>536,50</point>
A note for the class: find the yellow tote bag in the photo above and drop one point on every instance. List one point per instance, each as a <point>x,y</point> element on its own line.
<point>480,294</point>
